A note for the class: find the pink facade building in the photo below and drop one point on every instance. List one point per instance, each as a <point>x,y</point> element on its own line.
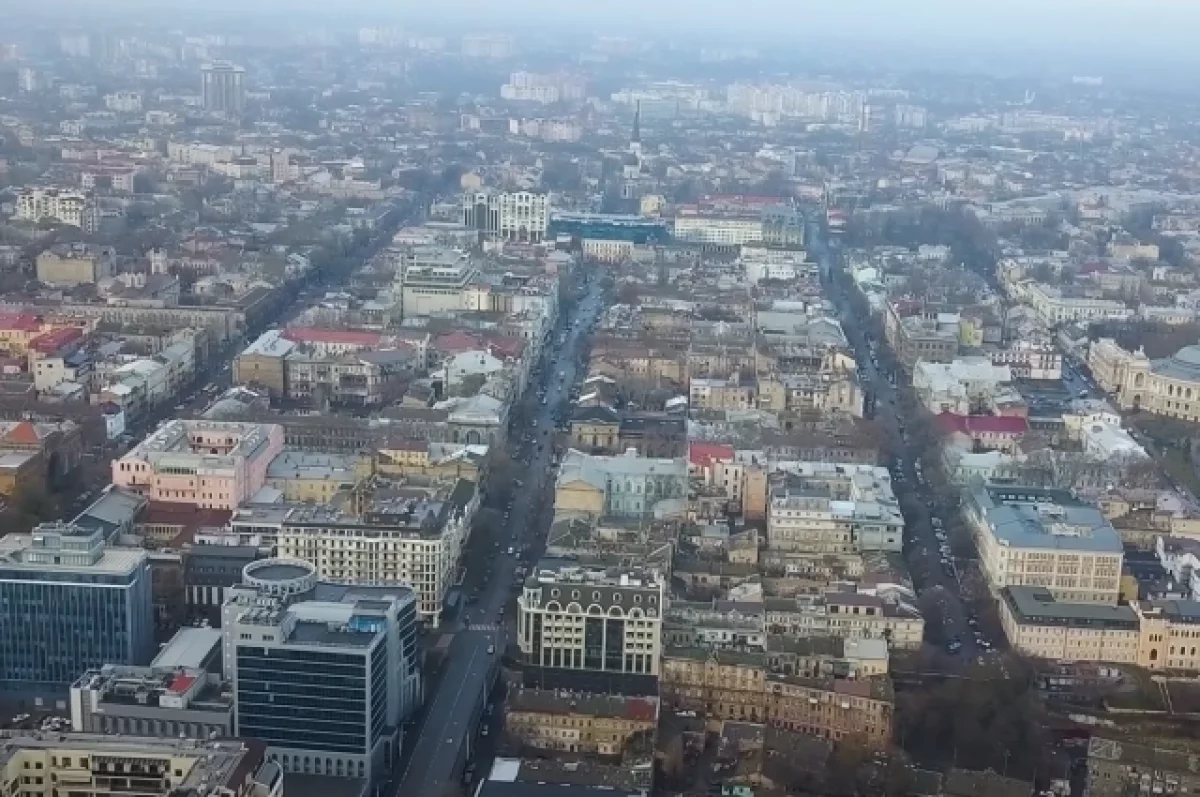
<point>208,464</point>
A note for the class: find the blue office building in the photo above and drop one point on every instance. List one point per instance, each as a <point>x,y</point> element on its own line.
<point>324,674</point>
<point>68,603</point>
<point>609,227</point>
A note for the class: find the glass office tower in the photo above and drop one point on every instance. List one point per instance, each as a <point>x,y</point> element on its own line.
<point>68,603</point>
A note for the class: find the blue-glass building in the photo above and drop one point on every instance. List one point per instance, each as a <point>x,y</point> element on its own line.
<point>609,227</point>
<point>324,674</point>
<point>69,603</point>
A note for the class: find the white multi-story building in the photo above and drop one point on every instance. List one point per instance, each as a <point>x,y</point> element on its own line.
<point>1027,536</point>
<point>1028,360</point>
<point>820,507</point>
<point>65,207</point>
<point>434,279</point>
<point>717,230</point>
<point>522,216</point>
<point>412,542</point>
<point>606,620</point>
<point>1054,308</point>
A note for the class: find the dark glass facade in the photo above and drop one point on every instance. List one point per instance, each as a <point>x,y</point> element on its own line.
<point>54,625</point>
<point>327,700</point>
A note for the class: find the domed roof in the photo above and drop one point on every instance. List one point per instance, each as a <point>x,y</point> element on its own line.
<point>1188,355</point>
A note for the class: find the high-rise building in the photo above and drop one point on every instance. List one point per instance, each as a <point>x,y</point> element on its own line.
<point>324,674</point>
<point>512,215</point>
<point>70,602</point>
<point>223,87</point>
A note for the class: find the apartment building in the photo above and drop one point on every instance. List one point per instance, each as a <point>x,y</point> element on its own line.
<point>573,722</point>
<point>721,394</point>
<point>1030,360</point>
<point>624,486</point>
<point>1169,386</point>
<point>66,266</point>
<point>63,206</point>
<point>283,631</point>
<point>819,507</point>
<point>415,539</point>
<point>717,684</point>
<point>694,228</point>
<point>916,332</point>
<point>830,392</point>
<point>1038,625</point>
<point>1035,537</point>
<point>209,464</point>
<point>833,708</point>
<point>725,685</point>
<point>107,766</point>
<point>312,478</point>
<point>521,216</point>
<point>433,279</point>
<point>1053,307</point>
<point>848,615</point>
<point>575,617</point>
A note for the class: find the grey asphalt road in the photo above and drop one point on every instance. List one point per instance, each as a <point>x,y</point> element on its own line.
<point>922,544</point>
<point>450,720</point>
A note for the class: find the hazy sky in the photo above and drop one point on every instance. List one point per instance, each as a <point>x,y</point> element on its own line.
<point>1162,29</point>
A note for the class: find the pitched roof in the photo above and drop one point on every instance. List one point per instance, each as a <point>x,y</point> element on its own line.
<point>23,433</point>
<point>705,454</point>
<point>982,424</point>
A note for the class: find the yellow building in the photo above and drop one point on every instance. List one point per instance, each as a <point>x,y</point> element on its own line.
<point>104,766</point>
<point>1169,636</point>
<point>595,428</point>
<point>718,684</point>
<point>593,724</point>
<point>74,265</point>
<point>315,478</point>
<point>407,458</point>
<point>832,708</point>
<point>1038,625</point>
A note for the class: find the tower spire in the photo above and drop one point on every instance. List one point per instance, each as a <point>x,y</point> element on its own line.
<point>635,140</point>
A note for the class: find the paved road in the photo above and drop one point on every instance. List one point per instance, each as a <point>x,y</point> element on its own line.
<point>922,546</point>
<point>451,717</point>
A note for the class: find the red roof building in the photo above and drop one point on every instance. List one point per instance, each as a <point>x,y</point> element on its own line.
<point>999,432</point>
<point>703,455</point>
<point>337,338</point>
<point>58,342</point>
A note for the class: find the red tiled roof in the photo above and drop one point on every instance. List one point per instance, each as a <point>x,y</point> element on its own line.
<point>53,341</point>
<point>24,433</point>
<point>454,342</point>
<point>639,708</point>
<point>27,322</point>
<point>506,346</point>
<point>704,454</point>
<point>353,337</point>
<point>985,424</point>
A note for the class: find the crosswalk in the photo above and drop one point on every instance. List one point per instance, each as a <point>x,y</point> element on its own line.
<point>486,627</point>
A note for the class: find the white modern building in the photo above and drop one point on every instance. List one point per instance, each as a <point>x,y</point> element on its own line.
<point>717,230</point>
<point>65,207</point>
<point>581,618</point>
<point>522,216</point>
